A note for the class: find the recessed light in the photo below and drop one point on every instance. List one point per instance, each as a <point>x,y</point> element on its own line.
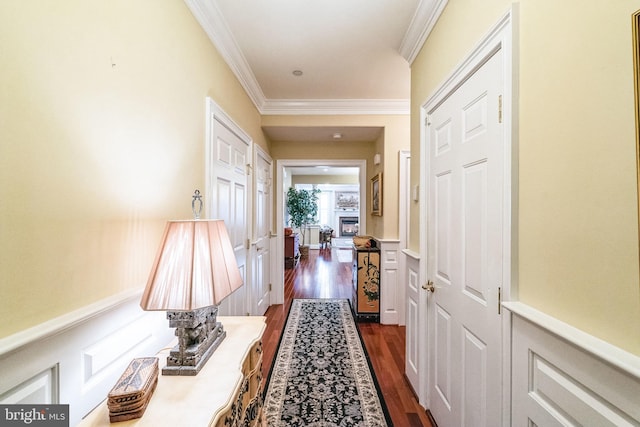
<point>297,73</point>
<point>337,135</point>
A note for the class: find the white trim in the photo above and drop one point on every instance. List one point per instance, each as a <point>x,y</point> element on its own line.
<point>404,196</point>
<point>389,241</point>
<point>564,376</point>
<point>72,359</point>
<point>423,318</point>
<point>214,25</point>
<point>391,284</point>
<point>493,41</point>
<point>404,182</point>
<point>422,24</point>
<point>621,359</point>
<point>69,320</point>
<point>411,254</point>
<point>212,108</point>
<point>335,106</point>
<point>413,352</point>
<point>507,362</point>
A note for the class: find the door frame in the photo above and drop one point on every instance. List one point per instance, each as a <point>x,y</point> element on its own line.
<point>216,115</point>
<point>501,37</point>
<point>404,221</point>
<point>277,295</point>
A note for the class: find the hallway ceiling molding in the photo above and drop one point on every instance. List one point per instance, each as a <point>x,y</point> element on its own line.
<point>424,20</point>
<point>343,48</point>
<point>335,106</point>
<point>320,134</point>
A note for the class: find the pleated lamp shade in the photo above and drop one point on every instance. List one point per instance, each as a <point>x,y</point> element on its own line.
<point>195,267</point>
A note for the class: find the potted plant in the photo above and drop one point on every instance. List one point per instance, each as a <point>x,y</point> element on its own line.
<point>302,206</point>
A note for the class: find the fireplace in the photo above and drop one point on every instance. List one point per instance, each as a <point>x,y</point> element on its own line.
<point>348,226</point>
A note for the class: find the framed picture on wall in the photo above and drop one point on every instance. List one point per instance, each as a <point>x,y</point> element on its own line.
<point>347,199</point>
<point>376,195</point>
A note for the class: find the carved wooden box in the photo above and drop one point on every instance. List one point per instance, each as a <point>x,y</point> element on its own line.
<point>129,398</point>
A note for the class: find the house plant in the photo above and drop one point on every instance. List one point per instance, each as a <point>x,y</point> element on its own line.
<point>302,206</point>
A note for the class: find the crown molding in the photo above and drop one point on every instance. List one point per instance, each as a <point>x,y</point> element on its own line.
<point>336,106</point>
<point>425,18</point>
<point>214,25</point>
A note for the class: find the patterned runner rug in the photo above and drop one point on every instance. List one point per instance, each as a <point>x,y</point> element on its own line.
<point>321,376</point>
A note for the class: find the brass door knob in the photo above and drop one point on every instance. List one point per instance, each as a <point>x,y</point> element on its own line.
<point>429,287</point>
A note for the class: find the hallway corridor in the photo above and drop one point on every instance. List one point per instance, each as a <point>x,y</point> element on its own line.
<point>327,274</point>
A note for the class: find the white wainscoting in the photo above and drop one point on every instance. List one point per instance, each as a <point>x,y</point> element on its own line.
<point>391,288</point>
<point>412,315</point>
<point>565,377</point>
<point>77,358</point>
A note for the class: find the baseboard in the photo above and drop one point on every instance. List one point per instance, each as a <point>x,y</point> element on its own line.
<point>76,359</point>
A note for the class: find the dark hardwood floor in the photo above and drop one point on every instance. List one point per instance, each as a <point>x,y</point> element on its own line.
<point>327,274</point>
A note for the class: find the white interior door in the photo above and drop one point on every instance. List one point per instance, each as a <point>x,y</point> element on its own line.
<point>261,244</point>
<point>228,188</point>
<point>465,260</point>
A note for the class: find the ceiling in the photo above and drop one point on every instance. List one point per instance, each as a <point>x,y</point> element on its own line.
<point>354,55</point>
<point>344,49</point>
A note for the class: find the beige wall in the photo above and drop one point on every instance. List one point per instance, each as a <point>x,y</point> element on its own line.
<point>376,225</point>
<point>577,188</point>
<point>102,128</point>
<point>395,137</point>
<point>324,179</point>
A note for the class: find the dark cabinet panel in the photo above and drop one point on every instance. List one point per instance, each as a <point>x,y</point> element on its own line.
<point>291,250</point>
<point>366,283</point>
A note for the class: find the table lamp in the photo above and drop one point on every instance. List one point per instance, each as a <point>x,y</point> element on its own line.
<point>195,269</point>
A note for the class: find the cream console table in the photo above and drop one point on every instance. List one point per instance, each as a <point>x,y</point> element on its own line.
<point>226,392</point>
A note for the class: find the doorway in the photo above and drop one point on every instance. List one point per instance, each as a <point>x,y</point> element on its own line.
<point>466,235</point>
<point>282,185</point>
<point>228,150</point>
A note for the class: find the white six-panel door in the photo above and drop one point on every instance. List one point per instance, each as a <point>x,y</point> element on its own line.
<point>261,244</point>
<point>228,188</point>
<point>465,249</point>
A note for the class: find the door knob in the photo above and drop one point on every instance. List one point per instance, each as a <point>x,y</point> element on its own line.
<point>429,287</point>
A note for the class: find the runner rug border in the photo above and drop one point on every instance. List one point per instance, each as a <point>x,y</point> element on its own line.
<point>360,342</point>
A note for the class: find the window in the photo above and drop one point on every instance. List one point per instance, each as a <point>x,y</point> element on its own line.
<point>324,204</point>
